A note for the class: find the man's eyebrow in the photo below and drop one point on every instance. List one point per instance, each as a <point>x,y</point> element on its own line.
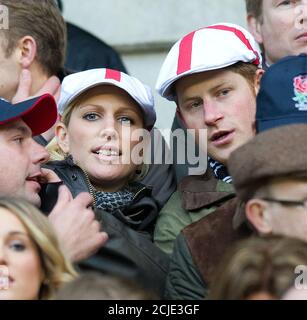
<point>220,85</point>
<point>22,129</point>
<point>192,98</point>
<point>213,88</point>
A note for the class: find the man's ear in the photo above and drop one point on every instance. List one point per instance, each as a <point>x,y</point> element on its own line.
<point>257,215</point>
<point>27,51</point>
<point>62,137</point>
<point>258,77</point>
<point>254,27</point>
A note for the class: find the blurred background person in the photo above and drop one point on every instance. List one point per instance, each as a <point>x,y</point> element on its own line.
<point>85,51</point>
<point>258,269</point>
<point>280,27</point>
<point>30,252</point>
<point>96,286</point>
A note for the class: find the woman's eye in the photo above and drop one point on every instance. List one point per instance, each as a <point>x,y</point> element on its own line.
<point>224,93</point>
<point>17,246</point>
<point>91,117</point>
<point>125,120</point>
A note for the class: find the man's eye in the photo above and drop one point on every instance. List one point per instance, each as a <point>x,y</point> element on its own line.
<point>195,105</point>
<point>91,117</point>
<point>17,246</point>
<point>287,2</point>
<point>18,140</point>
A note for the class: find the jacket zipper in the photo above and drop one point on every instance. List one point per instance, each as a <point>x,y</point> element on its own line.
<point>92,190</point>
<point>90,187</point>
<point>141,190</point>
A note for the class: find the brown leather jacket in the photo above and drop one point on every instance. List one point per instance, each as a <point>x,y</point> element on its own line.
<point>200,246</point>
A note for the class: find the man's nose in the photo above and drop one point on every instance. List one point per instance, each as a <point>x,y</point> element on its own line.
<point>39,154</point>
<point>212,114</point>
<point>302,15</point>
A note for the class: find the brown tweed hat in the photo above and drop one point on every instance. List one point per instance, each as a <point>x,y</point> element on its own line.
<point>279,152</point>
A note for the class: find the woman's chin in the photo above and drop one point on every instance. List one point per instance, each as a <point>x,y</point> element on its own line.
<point>108,177</point>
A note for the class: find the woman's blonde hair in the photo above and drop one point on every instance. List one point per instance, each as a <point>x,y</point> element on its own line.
<point>57,154</point>
<point>56,268</point>
<point>53,147</point>
<point>258,265</point>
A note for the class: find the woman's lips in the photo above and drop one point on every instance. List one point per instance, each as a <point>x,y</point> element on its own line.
<point>222,138</point>
<point>107,153</point>
<point>105,158</point>
<point>108,158</point>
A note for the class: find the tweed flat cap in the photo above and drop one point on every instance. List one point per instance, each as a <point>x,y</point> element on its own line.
<point>278,152</point>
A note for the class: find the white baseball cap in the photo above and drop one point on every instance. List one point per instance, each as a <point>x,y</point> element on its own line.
<point>210,48</point>
<point>76,84</point>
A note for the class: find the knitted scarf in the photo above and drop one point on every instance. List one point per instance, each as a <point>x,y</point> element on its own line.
<point>112,201</point>
<point>220,171</point>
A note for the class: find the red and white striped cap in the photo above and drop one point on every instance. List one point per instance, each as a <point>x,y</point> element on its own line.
<point>76,84</point>
<point>210,48</point>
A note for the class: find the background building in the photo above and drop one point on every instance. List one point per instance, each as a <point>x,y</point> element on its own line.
<point>143,31</point>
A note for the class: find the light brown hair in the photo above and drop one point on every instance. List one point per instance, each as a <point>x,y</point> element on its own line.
<point>254,7</point>
<point>43,21</point>
<point>247,71</point>
<point>96,286</point>
<point>258,265</point>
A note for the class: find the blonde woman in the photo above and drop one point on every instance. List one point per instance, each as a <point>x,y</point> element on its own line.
<point>32,264</point>
<point>102,112</point>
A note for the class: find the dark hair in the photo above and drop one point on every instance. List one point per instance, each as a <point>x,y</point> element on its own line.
<point>43,21</point>
<point>60,4</point>
<point>258,265</point>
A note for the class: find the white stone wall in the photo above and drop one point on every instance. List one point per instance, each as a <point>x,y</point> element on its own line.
<point>143,30</point>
